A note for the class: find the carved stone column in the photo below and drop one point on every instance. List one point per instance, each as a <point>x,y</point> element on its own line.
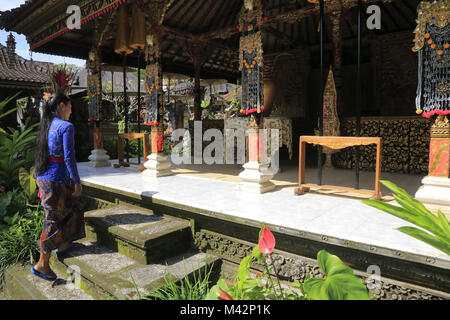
<point>157,164</point>
<point>256,175</point>
<point>435,192</point>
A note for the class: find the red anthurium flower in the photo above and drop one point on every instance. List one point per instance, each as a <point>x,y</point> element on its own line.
<point>266,242</point>
<point>224,296</point>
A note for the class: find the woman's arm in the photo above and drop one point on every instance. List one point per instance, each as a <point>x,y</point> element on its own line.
<point>69,154</point>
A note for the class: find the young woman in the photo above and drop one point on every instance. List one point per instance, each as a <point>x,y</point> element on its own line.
<point>58,181</point>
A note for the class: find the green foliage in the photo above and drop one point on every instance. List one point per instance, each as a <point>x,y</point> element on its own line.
<point>121,126</point>
<point>14,146</point>
<point>110,145</point>
<point>414,211</point>
<point>14,203</point>
<point>5,102</point>
<point>234,102</point>
<point>206,104</point>
<point>340,283</point>
<point>27,181</point>
<point>19,243</point>
<point>189,288</point>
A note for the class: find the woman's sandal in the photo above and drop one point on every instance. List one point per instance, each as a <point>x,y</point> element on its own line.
<point>49,276</point>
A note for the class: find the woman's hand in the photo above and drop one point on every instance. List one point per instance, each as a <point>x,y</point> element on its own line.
<point>78,190</point>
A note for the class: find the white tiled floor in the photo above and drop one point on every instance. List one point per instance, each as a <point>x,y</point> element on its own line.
<point>338,217</point>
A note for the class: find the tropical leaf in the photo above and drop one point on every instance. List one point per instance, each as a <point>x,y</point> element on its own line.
<point>27,181</point>
<point>427,238</point>
<point>415,212</point>
<point>4,103</point>
<point>340,283</point>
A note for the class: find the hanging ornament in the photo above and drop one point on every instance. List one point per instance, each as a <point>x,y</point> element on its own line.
<point>432,42</point>
<point>137,28</point>
<point>251,58</point>
<point>152,81</point>
<point>93,87</point>
<point>122,41</point>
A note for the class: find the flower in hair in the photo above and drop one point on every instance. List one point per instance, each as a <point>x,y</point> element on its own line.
<point>47,96</point>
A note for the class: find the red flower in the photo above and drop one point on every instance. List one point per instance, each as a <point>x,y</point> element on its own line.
<point>224,296</point>
<point>259,274</point>
<point>2,189</point>
<point>266,242</point>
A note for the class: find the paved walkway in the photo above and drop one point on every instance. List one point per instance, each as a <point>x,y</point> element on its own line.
<point>337,220</point>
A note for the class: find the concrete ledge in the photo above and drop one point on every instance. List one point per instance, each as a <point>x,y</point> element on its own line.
<point>106,274</point>
<point>138,233</point>
<point>21,284</point>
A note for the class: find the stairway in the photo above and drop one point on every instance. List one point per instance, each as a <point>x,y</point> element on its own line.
<point>126,249</point>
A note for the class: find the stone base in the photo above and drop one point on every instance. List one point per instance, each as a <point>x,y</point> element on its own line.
<point>99,158</point>
<point>435,194</point>
<point>157,165</point>
<point>256,178</point>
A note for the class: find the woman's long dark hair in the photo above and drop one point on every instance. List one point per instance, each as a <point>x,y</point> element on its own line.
<point>49,109</point>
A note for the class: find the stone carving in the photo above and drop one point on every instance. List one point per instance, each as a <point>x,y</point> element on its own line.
<point>294,268</point>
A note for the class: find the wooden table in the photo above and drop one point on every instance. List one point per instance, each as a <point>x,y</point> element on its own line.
<point>120,148</point>
<point>338,143</point>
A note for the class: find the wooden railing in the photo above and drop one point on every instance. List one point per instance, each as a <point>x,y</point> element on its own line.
<point>338,143</point>
<point>120,148</point>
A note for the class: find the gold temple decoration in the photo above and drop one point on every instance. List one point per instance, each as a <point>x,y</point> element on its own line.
<point>441,128</point>
<point>251,43</point>
<point>251,59</point>
<point>137,28</point>
<point>250,11</point>
<point>432,43</point>
<point>437,13</point>
<point>121,44</point>
<point>331,123</point>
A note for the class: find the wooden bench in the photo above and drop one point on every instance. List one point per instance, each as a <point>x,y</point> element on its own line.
<point>338,143</point>
<point>120,148</point>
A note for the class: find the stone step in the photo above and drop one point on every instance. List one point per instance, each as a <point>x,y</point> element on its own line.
<point>106,274</point>
<point>21,284</point>
<point>138,233</point>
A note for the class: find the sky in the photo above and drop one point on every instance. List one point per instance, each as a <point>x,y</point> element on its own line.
<point>22,47</point>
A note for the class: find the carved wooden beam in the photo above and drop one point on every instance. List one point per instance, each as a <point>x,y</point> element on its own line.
<point>186,36</point>
<point>290,17</point>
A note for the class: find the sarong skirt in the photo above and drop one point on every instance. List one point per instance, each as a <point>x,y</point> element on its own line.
<point>64,218</point>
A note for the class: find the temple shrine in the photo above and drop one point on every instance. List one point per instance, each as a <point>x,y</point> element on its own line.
<point>334,96</point>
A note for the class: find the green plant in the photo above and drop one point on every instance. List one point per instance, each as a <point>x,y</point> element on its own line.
<point>339,283</point>
<point>414,211</point>
<point>20,243</point>
<point>14,203</point>
<point>121,126</point>
<point>188,288</point>
<point>4,103</point>
<point>14,146</point>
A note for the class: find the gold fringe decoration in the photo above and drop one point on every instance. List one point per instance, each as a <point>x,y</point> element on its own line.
<point>137,28</point>
<point>121,45</point>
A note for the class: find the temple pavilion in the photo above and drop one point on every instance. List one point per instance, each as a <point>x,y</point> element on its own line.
<point>354,91</point>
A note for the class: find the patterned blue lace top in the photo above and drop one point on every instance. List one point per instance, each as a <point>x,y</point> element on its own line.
<point>61,144</point>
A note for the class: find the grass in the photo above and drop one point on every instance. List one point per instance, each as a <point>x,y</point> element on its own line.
<point>194,287</point>
<point>19,243</point>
